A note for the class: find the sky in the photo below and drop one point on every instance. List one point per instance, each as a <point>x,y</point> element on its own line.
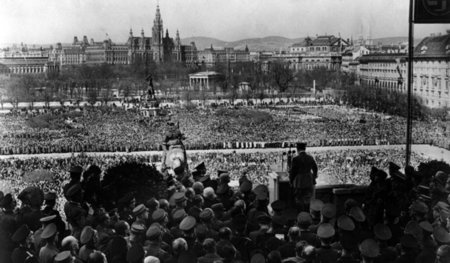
<point>52,21</point>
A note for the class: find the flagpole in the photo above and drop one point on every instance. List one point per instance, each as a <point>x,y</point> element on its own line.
<point>410,81</point>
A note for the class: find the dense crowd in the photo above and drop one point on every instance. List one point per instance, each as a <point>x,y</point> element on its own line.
<point>335,167</point>
<point>113,129</point>
<point>403,217</point>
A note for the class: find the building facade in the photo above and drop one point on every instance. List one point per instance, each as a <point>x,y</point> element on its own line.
<point>21,61</point>
<point>321,52</point>
<point>158,48</point>
<point>211,56</point>
<point>431,71</point>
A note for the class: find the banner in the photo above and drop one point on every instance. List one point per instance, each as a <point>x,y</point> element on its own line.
<point>431,12</point>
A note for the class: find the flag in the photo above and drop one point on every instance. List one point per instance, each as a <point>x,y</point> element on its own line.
<point>431,12</point>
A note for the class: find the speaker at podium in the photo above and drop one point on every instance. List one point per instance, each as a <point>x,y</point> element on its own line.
<point>279,187</point>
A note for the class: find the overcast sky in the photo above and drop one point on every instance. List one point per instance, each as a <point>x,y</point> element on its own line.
<point>51,21</point>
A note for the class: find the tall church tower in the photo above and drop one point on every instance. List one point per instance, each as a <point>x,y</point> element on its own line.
<point>178,46</point>
<point>157,37</point>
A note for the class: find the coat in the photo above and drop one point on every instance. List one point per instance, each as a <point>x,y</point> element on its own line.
<point>303,173</point>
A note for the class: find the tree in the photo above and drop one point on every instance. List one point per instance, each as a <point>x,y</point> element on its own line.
<point>281,74</point>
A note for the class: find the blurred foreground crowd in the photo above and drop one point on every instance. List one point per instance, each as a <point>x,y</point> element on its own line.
<point>402,217</point>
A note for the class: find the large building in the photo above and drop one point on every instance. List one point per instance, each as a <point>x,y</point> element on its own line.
<point>158,47</point>
<point>431,71</point>
<point>21,61</point>
<point>211,56</point>
<point>323,51</point>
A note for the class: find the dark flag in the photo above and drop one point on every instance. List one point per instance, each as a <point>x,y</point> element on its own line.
<point>431,11</point>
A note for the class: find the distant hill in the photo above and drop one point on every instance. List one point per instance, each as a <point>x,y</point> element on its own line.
<point>270,43</point>
<point>394,40</point>
<point>273,43</point>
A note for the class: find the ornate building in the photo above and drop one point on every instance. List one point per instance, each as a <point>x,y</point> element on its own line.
<point>159,48</point>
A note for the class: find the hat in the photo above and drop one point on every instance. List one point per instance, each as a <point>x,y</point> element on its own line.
<point>126,199</point>
<point>68,240</point>
<point>441,235</point>
<point>50,196</point>
<point>198,187</point>
<point>151,259</point>
<point>222,189</point>
<point>204,179</point>
<point>208,191</point>
<point>426,226</point>
<point>152,203</point>
<point>139,210</point>
<point>188,223</point>
<point>217,207</point>
<point>63,257</point>
<point>301,146</point>
<point>246,186</point>
<point>224,178</point>
<point>239,203</point>
<point>159,214</point>
<point>220,172</point>
<point>258,258</point>
<point>200,166</point>
<point>179,197</point>
<point>47,219</point>
<point>153,232</point>
<point>137,228</point>
<point>325,230</point>
<point>316,205</point>
<point>369,248</point>
<point>21,234</point>
<point>73,190</point>
<point>278,205</point>
<point>135,254</point>
<point>179,215</point>
<point>76,169</point>
<point>264,219</point>
<point>419,207</point>
<point>345,223</point>
<point>206,214</point>
<point>329,210</point>
<point>304,218</point>
<point>357,214</point>
<point>440,177</point>
<point>87,234</point>
<point>49,231</point>
<point>409,241</point>
<point>382,232</point>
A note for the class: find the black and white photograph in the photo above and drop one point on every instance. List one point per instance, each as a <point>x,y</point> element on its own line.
<point>225,131</point>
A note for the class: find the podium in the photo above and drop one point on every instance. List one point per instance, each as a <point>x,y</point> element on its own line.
<point>279,188</point>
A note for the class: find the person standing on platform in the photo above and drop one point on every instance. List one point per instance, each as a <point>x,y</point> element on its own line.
<point>302,177</point>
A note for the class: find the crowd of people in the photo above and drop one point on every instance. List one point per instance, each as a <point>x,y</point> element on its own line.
<point>403,217</point>
<point>113,129</point>
<point>347,166</point>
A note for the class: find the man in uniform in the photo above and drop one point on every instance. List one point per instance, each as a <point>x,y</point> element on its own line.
<point>302,177</point>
